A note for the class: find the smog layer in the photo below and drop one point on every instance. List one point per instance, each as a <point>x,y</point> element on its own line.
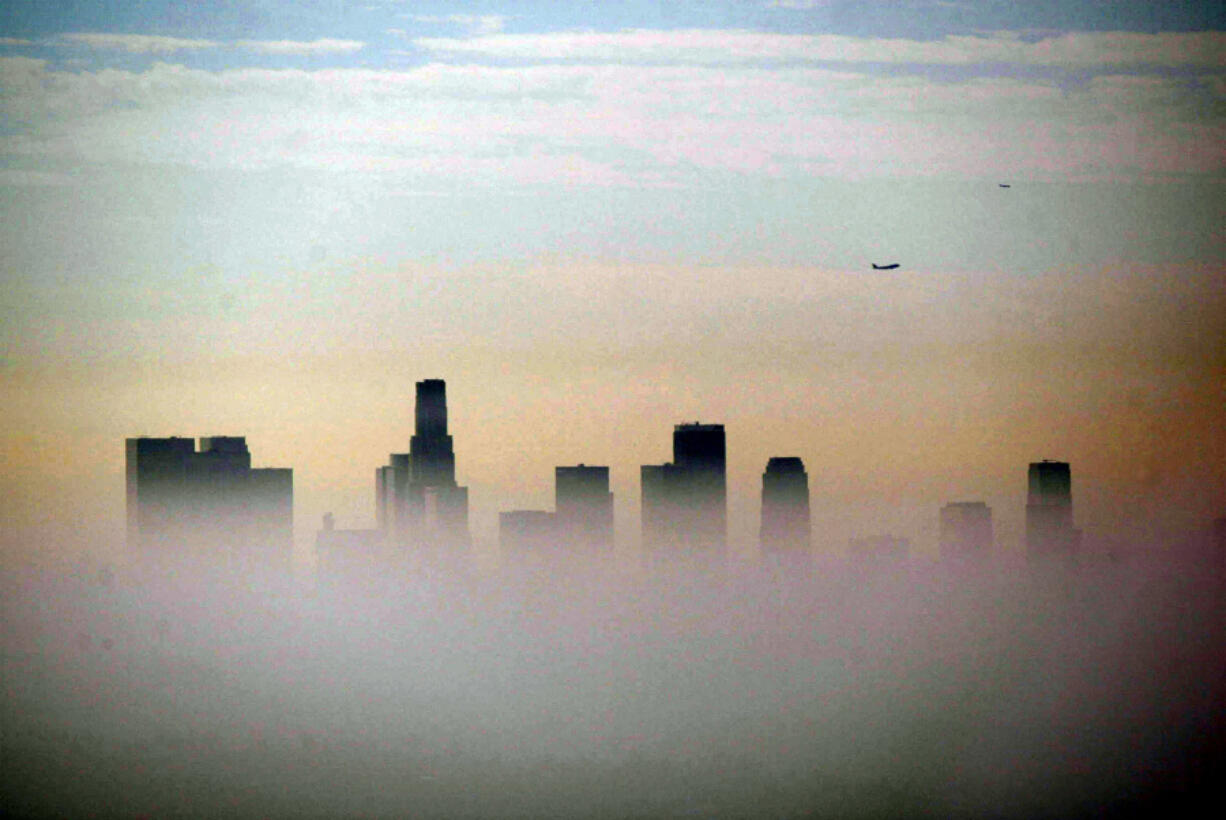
<point>849,690</point>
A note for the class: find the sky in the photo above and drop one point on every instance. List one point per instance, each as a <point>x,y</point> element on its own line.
<point>598,220</point>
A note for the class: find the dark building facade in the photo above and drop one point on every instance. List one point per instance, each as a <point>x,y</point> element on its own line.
<point>207,504</point>
<point>684,503</point>
<point>965,530</point>
<point>584,505</point>
<point>1049,510</point>
<point>417,500</point>
<point>582,523</point>
<point>785,506</point>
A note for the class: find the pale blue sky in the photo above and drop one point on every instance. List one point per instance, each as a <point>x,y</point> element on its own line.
<point>366,18</point>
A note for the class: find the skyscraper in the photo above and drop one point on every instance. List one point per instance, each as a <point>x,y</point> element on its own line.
<point>685,502</point>
<point>584,506</point>
<point>785,506</point>
<point>1049,510</point>
<point>966,530</point>
<point>417,500</point>
<point>208,504</point>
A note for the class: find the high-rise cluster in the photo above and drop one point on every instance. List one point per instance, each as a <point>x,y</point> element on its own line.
<point>184,500</point>
<point>207,503</point>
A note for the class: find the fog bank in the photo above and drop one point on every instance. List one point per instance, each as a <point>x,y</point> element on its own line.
<point>835,690</point>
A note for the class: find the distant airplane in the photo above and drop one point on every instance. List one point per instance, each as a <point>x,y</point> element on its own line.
<point>1003,185</point>
<point>890,266</point>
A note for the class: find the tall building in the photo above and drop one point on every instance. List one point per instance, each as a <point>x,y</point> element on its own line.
<point>583,520</point>
<point>391,498</point>
<point>684,503</point>
<point>417,500</point>
<point>966,530</point>
<point>785,506</point>
<point>1049,510</point>
<point>584,506</point>
<point>207,504</point>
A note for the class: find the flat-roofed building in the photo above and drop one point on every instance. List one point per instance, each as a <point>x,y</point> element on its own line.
<point>526,531</point>
<point>584,506</point>
<point>785,506</point>
<point>1049,510</point>
<point>348,557</point>
<point>684,502</point>
<point>207,504</point>
<point>965,530</point>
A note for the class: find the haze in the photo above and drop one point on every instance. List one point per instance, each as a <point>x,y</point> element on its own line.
<point>857,691</point>
<point>596,221</point>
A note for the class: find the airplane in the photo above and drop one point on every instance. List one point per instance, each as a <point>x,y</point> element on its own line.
<point>1003,185</point>
<point>890,266</point>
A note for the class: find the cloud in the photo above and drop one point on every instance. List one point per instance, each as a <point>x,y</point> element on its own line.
<point>135,43</point>
<point>15,41</point>
<point>153,44</point>
<point>711,46</point>
<point>608,124</point>
<point>321,46</point>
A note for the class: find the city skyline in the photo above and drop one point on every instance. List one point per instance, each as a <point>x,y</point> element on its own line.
<point>597,221</point>
<point>1047,491</point>
<point>952,272</point>
<point>421,512</point>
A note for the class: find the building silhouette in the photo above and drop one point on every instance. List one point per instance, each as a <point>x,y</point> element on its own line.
<point>785,506</point>
<point>965,530</point>
<point>417,500</point>
<point>521,532</point>
<point>584,517</point>
<point>207,504</point>
<point>347,556</point>
<point>684,502</point>
<point>582,523</point>
<point>1049,510</point>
